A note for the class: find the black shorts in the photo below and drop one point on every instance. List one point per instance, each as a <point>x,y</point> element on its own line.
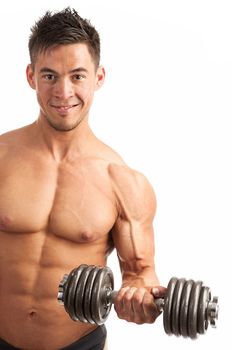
<point>92,341</point>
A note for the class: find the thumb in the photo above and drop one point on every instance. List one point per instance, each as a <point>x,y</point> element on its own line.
<point>158,292</point>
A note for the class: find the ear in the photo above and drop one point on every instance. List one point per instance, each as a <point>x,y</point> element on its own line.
<point>30,76</point>
<point>100,77</point>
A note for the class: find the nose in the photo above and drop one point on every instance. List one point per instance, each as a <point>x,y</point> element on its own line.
<point>63,89</point>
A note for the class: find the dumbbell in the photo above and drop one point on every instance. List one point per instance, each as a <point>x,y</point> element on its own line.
<point>87,294</point>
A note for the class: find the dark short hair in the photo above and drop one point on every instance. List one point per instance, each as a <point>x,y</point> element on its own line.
<point>63,28</point>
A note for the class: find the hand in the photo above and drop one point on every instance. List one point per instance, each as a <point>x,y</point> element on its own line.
<point>138,305</point>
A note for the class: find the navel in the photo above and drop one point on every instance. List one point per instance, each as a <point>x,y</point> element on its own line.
<point>32,315</point>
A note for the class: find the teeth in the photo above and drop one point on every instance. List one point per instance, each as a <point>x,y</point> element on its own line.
<point>64,107</point>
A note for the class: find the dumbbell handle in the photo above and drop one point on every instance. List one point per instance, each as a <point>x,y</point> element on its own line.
<point>212,306</point>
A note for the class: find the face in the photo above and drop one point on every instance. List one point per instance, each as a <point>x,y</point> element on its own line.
<point>65,79</point>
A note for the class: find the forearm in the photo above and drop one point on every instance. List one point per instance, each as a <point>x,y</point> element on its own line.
<point>138,274</point>
<point>135,301</point>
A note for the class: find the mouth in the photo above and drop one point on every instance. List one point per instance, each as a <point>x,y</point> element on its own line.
<point>64,109</point>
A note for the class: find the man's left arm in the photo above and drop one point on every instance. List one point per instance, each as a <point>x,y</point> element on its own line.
<point>133,238</point>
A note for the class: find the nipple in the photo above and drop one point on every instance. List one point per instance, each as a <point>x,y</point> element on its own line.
<point>87,236</point>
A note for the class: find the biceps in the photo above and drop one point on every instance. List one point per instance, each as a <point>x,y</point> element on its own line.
<point>134,243</point>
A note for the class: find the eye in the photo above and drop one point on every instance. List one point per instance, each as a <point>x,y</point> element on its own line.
<point>78,77</point>
<point>49,77</point>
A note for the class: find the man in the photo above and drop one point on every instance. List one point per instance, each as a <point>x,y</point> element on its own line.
<point>66,199</point>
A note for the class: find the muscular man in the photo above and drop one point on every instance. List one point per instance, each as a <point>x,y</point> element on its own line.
<point>66,199</point>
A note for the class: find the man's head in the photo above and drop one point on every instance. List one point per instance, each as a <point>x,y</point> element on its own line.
<point>64,69</point>
<point>63,28</point>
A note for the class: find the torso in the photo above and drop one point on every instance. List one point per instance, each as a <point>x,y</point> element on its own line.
<point>53,217</point>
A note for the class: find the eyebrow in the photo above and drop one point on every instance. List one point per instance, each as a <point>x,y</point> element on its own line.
<point>76,70</point>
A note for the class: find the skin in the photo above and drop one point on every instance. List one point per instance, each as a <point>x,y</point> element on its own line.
<point>66,199</point>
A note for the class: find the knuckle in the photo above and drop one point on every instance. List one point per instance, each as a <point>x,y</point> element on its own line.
<point>128,295</point>
<point>147,303</point>
<point>137,298</point>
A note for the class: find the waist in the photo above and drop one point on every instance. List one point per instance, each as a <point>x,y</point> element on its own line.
<point>94,340</point>
<point>35,326</point>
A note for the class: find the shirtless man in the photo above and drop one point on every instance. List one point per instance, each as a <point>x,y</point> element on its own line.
<point>66,199</point>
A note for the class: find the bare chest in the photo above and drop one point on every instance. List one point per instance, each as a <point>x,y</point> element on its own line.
<point>70,202</point>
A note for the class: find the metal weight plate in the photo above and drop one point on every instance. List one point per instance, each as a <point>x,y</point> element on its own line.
<point>183,316</point>
<point>80,292</point>
<point>193,309</point>
<point>176,302</point>
<point>88,294</point>
<point>167,316</point>
<point>66,289</point>
<point>100,307</point>
<point>202,322</point>
<point>71,290</point>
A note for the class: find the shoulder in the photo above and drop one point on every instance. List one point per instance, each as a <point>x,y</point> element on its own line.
<point>11,141</point>
<point>5,143</point>
<point>104,152</point>
<point>133,192</point>
<point>123,177</point>
<point>132,189</point>
<point>14,136</point>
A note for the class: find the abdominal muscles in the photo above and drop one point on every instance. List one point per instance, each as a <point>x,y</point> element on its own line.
<point>31,267</point>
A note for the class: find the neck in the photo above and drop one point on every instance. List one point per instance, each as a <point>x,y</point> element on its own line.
<point>65,144</point>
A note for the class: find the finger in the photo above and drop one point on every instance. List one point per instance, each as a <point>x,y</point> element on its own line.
<point>119,304</point>
<point>158,292</point>
<point>137,305</point>
<point>150,309</point>
<point>128,302</point>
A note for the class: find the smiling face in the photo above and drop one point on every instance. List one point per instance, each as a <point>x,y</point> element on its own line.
<point>65,79</point>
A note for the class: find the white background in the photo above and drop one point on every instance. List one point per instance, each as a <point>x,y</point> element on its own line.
<point>168,107</point>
